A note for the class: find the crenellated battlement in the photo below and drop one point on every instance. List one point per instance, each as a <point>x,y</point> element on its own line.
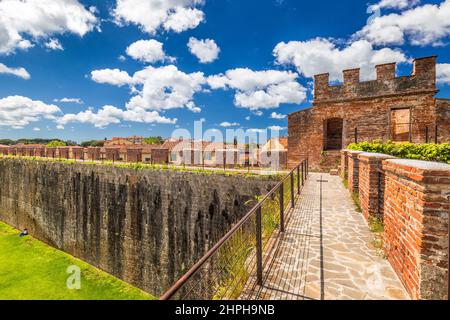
<point>422,79</point>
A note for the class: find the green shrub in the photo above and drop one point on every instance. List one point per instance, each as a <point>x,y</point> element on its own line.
<point>407,150</point>
<point>56,143</point>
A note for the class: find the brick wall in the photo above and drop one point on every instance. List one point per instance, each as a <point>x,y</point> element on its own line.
<point>93,153</point>
<point>353,171</point>
<point>134,155</point>
<point>443,125</point>
<point>371,184</point>
<point>77,153</point>
<point>344,164</point>
<point>112,154</point>
<point>63,152</point>
<point>367,107</point>
<point>160,156</point>
<point>413,199</point>
<point>416,225</point>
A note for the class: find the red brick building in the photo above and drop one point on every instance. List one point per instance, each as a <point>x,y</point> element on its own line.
<point>387,108</point>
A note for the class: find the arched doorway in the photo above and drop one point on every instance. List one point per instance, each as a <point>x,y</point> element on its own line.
<point>333,133</point>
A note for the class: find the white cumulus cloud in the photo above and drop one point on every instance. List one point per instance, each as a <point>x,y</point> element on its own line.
<point>54,44</point>
<point>276,128</point>
<point>24,22</point>
<point>156,88</point>
<point>205,50</point>
<point>393,4</point>
<point>428,24</point>
<point>112,115</point>
<point>114,77</point>
<point>69,100</point>
<point>323,56</point>
<point>18,72</point>
<point>229,124</point>
<point>443,73</point>
<point>260,89</point>
<point>149,51</point>
<point>18,111</point>
<point>152,15</point>
<point>278,116</point>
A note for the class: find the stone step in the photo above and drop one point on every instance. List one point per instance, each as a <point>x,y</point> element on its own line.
<point>334,172</point>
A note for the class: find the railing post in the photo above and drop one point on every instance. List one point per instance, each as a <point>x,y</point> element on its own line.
<point>307,168</point>
<point>292,190</point>
<point>303,172</point>
<point>282,207</point>
<point>298,179</point>
<point>259,264</point>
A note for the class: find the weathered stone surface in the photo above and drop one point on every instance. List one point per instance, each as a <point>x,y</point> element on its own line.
<point>145,227</point>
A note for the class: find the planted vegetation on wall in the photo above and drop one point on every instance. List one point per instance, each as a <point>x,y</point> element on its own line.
<point>406,150</point>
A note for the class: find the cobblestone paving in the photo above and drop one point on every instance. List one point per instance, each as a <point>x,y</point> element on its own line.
<point>326,257</point>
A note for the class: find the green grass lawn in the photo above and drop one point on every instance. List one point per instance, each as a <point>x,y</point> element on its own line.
<point>32,270</point>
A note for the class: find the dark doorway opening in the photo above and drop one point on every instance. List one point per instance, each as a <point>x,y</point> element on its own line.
<point>334,128</point>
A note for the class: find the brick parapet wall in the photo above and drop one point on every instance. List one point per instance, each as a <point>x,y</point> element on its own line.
<point>344,164</point>
<point>416,225</point>
<point>371,183</point>
<point>353,170</point>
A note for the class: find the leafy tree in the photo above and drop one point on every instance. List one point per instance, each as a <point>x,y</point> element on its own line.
<point>56,143</point>
<point>93,143</point>
<point>154,140</point>
<point>7,142</point>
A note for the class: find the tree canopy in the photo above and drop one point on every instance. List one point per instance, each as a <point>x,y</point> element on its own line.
<point>93,143</point>
<point>56,143</point>
<point>153,140</point>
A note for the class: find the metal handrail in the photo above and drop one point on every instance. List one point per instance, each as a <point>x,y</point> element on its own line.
<point>303,166</point>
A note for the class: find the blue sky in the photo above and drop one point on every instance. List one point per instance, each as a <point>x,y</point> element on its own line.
<point>269,51</point>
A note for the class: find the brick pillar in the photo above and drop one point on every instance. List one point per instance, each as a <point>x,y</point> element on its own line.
<point>416,225</point>
<point>77,153</point>
<point>50,152</point>
<point>371,184</point>
<point>112,154</point>
<point>63,152</point>
<point>160,156</point>
<point>93,153</point>
<point>134,154</point>
<point>39,152</point>
<point>344,164</point>
<point>353,170</point>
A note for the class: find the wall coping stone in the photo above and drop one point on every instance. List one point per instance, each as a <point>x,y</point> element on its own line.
<point>353,152</point>
<point>376,155</point>
<point>422,165</point>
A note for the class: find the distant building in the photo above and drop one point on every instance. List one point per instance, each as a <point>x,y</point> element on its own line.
<point>119,141</point>
<point>387,108</point>
<point>274,153</point>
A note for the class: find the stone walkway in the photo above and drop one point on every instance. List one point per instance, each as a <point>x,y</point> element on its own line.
<point>328,257</point>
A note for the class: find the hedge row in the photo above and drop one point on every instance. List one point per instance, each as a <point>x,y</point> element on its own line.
<point>406,150</point>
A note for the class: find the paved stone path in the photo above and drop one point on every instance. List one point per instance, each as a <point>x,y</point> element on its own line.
<point>328,257</point>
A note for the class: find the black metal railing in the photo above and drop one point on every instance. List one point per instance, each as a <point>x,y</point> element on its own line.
<point>235,264</point>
